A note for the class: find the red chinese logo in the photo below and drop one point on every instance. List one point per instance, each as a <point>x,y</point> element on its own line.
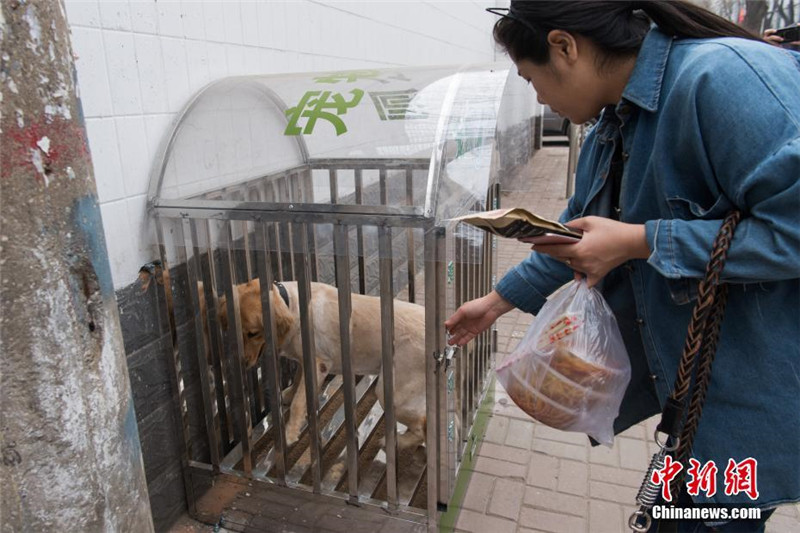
<point>704,478</point>
<point>665,475</point>
<point>741,477</point>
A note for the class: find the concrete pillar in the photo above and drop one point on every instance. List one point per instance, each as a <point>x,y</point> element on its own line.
<point>71,459</point>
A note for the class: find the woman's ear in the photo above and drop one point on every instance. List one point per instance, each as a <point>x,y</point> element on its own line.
<point>563,45</point>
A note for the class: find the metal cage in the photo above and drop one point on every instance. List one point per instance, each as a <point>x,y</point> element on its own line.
<point>245,189</point>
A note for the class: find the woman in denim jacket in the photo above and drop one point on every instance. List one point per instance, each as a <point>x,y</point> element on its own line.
<point>706,119</point>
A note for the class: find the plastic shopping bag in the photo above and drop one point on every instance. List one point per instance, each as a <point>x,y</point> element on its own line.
<point>571,369</point>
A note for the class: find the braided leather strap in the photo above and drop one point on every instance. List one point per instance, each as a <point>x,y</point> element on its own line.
<point>701,344</point>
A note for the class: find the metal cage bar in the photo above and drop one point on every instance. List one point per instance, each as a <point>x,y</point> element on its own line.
<point>275,233</point>
<point>443,463</point>
<point>189,238</point>
<point>177,374</point>
<point>470,351</point>
<point>342,258</point>
<point>382,186</point>
<point>362,273</point>
<point>462,376</point>
<point>287,231</point>
<point>306,195</point>
<point>333,177</point>
<point>431,379</point>
<point>236,347</point>
<point>481,339</point>
<point>270,363</point>
<point>345,163</point>
<point>211,283</point>
<point>475,350</point>
<point>387,355</point>
<point>410,250</point>
<point>300,253</point>
<point>247,252</point>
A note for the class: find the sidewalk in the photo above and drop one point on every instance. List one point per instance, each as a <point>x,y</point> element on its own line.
<point>531,478</point>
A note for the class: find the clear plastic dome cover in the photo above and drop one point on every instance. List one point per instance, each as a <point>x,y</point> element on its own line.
<point>435,138</point>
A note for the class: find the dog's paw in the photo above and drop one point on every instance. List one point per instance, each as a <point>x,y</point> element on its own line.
<point>409,441</point>
<point>292,435</point>
<point>405,442</point>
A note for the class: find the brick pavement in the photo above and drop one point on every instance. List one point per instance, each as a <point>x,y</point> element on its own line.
<point>531,478</point>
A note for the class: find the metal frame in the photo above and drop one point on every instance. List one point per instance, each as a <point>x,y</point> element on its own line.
<point>286,229</point>
<point>160,162</point>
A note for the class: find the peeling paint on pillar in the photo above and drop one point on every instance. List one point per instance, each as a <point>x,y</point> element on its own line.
<point>87,220</point>
<point>25,144</point>
<point>71,457</point>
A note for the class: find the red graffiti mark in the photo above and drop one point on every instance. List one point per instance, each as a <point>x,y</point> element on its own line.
<point>67,146</point>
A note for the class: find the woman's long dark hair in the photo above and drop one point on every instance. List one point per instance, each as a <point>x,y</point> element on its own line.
<point>617,28</point>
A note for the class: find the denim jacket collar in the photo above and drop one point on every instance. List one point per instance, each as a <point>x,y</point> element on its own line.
<point>644,86</point>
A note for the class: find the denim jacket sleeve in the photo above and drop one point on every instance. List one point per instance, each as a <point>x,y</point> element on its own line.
<point>748,132</point>
<point>528,284</point>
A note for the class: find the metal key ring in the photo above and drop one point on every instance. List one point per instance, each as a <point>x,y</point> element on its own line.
<point>664,444</point>
<point>633,521</point>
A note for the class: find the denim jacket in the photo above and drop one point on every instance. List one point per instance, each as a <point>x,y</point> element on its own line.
<point>706,126</point>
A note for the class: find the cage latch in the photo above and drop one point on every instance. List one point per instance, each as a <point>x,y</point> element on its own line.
<point>446,356</point>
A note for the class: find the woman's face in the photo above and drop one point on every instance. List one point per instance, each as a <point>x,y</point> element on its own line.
<point>570,83</point>
<point>572,97</point>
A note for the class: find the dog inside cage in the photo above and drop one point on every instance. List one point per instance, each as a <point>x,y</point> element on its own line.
<point>269,295</point>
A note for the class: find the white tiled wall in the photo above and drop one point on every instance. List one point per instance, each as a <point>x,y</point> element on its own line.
<point>139,61</point>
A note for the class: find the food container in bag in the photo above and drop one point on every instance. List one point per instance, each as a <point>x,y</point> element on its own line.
<point>571,369</point>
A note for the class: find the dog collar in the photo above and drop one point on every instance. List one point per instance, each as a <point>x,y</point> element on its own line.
<point>283,291</point>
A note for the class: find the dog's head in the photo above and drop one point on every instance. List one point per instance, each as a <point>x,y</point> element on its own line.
<point>251,316</point>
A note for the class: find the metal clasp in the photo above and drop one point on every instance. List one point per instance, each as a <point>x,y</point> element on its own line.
<point>641,520</point>
<point>633,521</point>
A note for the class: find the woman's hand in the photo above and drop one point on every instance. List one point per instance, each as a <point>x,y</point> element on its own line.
<point>474,317</point>
<point>770,37</point>
<point>605,245</point>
